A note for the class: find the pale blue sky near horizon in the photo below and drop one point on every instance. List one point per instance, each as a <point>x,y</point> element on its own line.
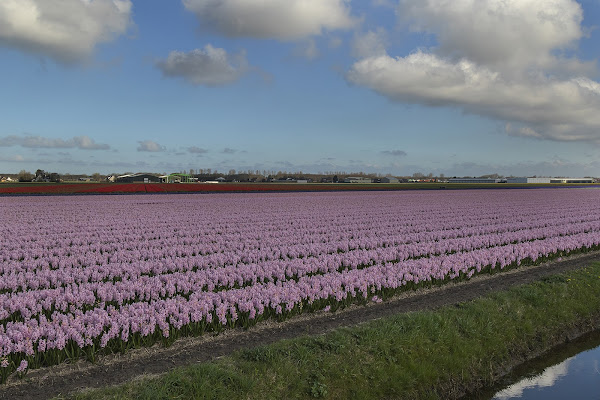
<point>468,87</point>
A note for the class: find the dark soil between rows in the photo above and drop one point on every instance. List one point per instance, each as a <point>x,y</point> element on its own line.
<point>111,370</point>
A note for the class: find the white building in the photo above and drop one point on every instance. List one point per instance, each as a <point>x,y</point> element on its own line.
<point>550,180</point>
<point>528,180</point>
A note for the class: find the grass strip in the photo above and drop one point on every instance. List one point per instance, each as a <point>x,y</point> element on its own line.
<point>419,355</point>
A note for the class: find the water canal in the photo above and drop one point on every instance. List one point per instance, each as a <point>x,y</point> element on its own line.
<point>570,371</point>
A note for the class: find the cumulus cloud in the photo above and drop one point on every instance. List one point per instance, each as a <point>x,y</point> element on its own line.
<point>275,19</point>
<point>150,146</point>
<point>210,66</point>
<point>196,150</point>
<point>496,59</point>
<point>510,35</point>
<point>65,30</point>
<point>80,142</point>
<point>228,150</point>
<point>549,108</point>
<point>395,153</point>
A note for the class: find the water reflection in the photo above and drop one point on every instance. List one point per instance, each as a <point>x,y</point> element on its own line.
<point>546,379</point>
<point>570,371</point>
<point>577,377</point>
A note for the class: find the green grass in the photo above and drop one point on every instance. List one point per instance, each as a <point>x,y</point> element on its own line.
<point>420,355</point>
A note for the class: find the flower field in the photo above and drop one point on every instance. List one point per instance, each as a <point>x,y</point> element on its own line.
<point>83,275</point>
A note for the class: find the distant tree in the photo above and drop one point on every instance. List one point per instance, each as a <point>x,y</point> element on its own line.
<point>54,177</point>
<point>97,177</point>
<point>25,176</point>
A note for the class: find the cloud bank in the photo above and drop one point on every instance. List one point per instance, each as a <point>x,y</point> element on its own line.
<point>395,153</point>
<point>500,59</point>
<point>197,150</point>
<point>273,19</point>
<point>64,30</point>
<point>39,142</point>
<point>207,67</point>
<point>150,146</point>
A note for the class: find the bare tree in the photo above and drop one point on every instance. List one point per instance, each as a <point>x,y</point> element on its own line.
<point>25,176</point>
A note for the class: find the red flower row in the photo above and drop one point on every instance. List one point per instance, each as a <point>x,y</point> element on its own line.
<point>176,188</point>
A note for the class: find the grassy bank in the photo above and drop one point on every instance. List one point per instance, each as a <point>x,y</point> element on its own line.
<point>427,355</point>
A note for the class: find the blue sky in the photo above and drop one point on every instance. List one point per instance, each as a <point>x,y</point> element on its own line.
<point>463,87</point>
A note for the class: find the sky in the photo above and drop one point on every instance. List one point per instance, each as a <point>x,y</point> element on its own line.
<point>454,87</point>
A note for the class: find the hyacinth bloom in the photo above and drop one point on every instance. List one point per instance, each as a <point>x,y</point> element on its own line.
<point>111,272</point>
<point>22,366</point>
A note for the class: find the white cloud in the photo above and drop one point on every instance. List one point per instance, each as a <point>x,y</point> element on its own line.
<point>506,34</point>
<point>276,19</point>
<point>369,44</point>
<point>495,58</point>
<point>65,30</point>
<point>209,67</point>
<point>80,142</point>
<point>150,146</point>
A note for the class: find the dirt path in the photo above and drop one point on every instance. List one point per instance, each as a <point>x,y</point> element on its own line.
<point>110,370</point>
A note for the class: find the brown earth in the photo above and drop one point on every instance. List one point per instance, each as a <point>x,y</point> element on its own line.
<point>67,378</point>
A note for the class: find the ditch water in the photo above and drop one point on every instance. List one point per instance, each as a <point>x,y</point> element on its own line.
<point>571,371</point>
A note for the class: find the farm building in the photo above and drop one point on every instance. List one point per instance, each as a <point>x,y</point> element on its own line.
<point>389,179</point>
<point>357,179</point>
<point>178,178</point>
<point>137,178</point>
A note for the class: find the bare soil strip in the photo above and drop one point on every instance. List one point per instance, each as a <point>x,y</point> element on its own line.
<point>63,379</point>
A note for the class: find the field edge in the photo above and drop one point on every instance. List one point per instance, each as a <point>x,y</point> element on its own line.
<point>245,368</point>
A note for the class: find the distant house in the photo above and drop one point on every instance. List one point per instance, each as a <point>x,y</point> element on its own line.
<point>357,179</point>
